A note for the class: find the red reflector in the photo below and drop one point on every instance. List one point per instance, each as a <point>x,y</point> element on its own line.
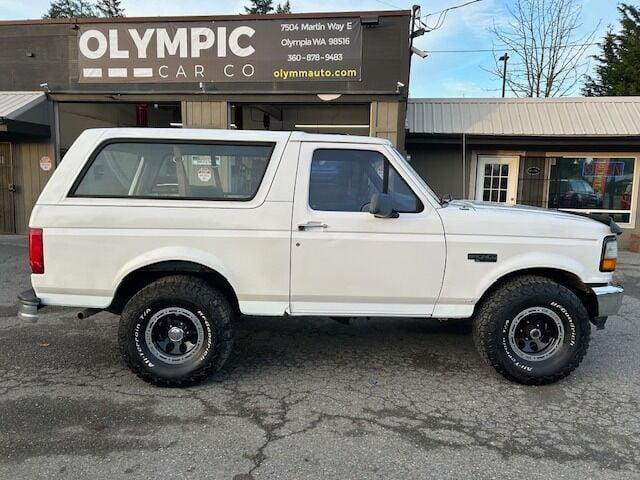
<point>36,250</point>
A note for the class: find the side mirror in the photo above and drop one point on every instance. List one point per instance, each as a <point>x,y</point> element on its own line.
<point>381,206</point>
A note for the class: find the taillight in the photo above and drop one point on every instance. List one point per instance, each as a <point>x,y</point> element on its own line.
<point>36,250</point>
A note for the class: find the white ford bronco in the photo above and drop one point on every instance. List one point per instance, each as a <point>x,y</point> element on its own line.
<point>180,231</point>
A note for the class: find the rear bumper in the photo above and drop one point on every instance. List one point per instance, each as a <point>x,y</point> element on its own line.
<point>28,306</point>
<point>609,298</point>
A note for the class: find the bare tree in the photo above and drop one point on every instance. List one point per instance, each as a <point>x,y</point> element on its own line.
<point>546,47</point>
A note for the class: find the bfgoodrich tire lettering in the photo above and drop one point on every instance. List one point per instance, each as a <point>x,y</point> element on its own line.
<point>532,330</point>
<point>176,331</point>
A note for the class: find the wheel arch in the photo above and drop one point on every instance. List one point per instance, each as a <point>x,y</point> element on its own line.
<point>563,277</point>
<point>142,276</point>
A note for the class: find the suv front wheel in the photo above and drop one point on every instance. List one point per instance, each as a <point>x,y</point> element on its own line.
<point>176,331</point>
<point>532,330</point>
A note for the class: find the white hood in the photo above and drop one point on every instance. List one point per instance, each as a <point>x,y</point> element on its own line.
<point>517,220</point>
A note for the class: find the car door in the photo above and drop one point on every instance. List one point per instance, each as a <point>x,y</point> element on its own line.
<point>344,260</point>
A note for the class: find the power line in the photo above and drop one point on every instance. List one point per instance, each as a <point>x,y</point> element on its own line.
<point>500,48</point>
<point>382,2</point>
<point>442,15</point>
<point>452,8</point>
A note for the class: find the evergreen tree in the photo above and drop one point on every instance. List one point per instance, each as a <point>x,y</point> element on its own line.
<point>616,73</point>
<point>260,7</point>
<point>71,9</point>
<point>284,8</point>
<point>110,8</point>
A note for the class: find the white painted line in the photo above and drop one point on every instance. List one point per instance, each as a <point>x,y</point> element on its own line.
<point>143,72</point>
<point>92,72</point>
<point>118,72</point>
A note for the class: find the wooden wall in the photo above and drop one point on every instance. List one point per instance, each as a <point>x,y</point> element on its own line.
<point>29,178</point>
<point>6,196</point>
<point>387,121</point>
<point>204,114</point>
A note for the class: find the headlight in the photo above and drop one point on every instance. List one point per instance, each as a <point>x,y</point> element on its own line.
<point>609,254</point>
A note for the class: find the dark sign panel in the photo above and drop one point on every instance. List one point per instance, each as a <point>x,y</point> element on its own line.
<point>225,51</point>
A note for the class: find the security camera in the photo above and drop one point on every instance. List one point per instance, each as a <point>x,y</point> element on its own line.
<point>400,85</point>
<point>420,53</point>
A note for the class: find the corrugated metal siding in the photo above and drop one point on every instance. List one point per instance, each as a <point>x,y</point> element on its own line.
<point>604,116</point>
<point>11,103</point>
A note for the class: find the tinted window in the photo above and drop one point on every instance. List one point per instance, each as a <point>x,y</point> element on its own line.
<point>176,170</point>
<point>345,181</point>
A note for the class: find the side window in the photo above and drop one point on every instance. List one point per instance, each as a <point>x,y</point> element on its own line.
<point>111,173</point>
<point>345,180</point>
<point>175,170</point>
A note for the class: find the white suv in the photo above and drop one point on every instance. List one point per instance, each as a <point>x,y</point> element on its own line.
<point>179,231</point>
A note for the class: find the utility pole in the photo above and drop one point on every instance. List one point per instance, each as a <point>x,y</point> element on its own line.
<point>504,58</point>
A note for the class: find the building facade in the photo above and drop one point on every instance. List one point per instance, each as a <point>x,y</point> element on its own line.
<point>573,154</point>
<point>325,73</point>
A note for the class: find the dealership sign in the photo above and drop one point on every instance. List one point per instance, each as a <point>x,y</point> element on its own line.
<point>226,51</point>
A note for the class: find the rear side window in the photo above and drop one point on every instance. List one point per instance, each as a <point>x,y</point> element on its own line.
<point>345,180</point>
<point>208,171</point>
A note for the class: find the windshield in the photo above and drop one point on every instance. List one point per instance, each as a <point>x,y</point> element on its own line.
<point>415,175</point>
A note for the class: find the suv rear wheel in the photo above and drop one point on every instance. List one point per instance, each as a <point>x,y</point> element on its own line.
<point>532,330</point>
<point>176,331</point>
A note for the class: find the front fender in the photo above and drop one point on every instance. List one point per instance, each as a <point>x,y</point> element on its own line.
<point>530,261</point>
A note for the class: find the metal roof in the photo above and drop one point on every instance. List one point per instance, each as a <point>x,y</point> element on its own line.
<point>13,104</point>
<point>583,116</point>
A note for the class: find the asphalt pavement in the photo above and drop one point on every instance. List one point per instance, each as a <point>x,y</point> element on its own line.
<point>311,398</point>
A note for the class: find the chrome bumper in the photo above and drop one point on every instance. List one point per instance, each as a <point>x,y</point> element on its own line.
<point>609,299</point>
<point>28,306</point>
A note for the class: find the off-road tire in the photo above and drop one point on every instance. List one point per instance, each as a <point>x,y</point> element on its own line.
<point>192,294</point>
<point>496,313</point>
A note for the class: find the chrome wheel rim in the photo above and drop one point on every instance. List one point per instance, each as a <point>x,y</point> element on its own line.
<point>536,334</point>
<point>174,335</point>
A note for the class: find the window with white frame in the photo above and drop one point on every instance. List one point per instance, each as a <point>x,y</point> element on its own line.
<point>594,184</point>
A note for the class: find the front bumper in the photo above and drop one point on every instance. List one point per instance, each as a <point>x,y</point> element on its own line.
<point>28,306</point>
<point>609,300</point>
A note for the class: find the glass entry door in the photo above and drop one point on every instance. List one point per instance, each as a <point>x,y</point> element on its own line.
<point>497,179</point>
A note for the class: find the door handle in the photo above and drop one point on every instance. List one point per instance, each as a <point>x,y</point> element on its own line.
<point>312,225</point>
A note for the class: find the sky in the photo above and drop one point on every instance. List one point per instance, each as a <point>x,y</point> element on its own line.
<point>441,74</point>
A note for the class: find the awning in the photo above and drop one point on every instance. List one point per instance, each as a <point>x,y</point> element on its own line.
<point>24,114</point>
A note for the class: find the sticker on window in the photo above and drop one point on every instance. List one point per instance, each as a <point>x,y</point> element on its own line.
<point>204,174</point>
<point>200,160</point>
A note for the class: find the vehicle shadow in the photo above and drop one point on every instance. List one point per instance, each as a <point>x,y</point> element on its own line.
<point>263,344</point>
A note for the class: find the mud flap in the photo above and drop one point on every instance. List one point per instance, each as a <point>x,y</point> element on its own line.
<point>599,322</point>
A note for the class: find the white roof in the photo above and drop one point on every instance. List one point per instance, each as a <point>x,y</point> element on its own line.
<point>583,116</point>
<point>240,135</point>
<point>12,104</point>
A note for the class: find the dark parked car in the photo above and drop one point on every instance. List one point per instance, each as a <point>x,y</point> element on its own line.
<point>574,193</point>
